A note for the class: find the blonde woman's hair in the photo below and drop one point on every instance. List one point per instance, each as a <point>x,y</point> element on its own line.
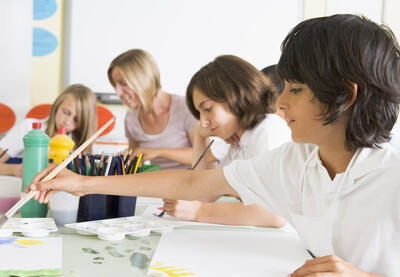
<point>86,113</point>
<point>140,72</point>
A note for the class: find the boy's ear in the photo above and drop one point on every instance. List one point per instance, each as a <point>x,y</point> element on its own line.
<point>353,97</point>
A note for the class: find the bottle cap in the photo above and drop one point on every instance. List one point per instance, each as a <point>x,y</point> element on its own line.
<point>36,125</point>
<point>62,130</point>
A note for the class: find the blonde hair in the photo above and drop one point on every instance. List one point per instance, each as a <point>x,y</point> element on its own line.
<point>86,113</point>
<point>140,72</point>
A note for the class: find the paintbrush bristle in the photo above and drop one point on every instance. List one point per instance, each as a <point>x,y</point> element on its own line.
<point>3,219</point>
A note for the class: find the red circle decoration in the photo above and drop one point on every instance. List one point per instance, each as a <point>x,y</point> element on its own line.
<point>7,118</point>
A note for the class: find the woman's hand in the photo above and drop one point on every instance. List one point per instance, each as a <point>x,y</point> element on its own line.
<point>329,266</point>
<point>182,209</point>
<point>148,154</point>
<point>66,181</point>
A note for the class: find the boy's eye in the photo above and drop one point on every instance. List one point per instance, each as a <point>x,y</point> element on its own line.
<point>295,90</point>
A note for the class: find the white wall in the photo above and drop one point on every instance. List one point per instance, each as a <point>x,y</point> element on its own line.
<point>182,35</point>
<point>15,52</point>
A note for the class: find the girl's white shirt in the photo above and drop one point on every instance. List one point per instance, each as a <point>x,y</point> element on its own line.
<point>13,140</point>
<point>269,134</point>
<point>366,221</point>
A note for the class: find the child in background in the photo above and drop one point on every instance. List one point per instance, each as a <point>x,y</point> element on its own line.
<point>232,100</point>
<point>337,183</point>
<point>74,109</point>
<point>275,82</point>
<point>273,79</point>
<point>158,124</point>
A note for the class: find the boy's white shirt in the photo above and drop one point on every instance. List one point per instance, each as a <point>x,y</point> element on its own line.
<point>366,227</point>
<point>13,141</point>
<point>269,134</point>
<point>395,140</point>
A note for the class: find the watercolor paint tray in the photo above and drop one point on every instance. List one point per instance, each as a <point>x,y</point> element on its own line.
<point>28,227</point>
<point>117,228</point>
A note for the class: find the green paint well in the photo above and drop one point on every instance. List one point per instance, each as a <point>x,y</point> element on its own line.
<point>145,248</point>
<point>98,258</point>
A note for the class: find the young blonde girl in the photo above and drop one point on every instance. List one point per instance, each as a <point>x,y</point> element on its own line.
<point>74,109</point>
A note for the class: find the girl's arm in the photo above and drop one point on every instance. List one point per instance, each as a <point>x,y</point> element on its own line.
<point>223,213</point>
<point>170,184</point>
<point>201,141</point>
<point>11,169</point>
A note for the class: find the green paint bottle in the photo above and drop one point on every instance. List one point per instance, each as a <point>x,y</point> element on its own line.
<point>36,147</point>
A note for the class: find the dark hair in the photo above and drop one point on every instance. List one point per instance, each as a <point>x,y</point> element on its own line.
<point>277,83</point>
<point>232,80</point>
<point>328,54</point>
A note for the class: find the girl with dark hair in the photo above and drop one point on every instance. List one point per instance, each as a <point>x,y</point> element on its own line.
<point>232,101</point>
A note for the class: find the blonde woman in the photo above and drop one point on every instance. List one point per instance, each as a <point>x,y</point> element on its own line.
<point>74,109</point>
<point>158,124</point>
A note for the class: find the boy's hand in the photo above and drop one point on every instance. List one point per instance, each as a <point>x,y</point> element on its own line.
<point>66,181</point>
<point>329,266</point>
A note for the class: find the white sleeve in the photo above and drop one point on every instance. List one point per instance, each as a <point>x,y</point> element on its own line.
<point>258,181</point>
<point>13,141</point>
<point>219,148</point>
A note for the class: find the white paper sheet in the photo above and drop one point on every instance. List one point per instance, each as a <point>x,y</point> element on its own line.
<point>30,254</point>
<point>227,253</point>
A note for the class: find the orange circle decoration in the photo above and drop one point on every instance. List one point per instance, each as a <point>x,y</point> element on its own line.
<point>103,116</point>
<point>41,111</point>
<point>7,118</point>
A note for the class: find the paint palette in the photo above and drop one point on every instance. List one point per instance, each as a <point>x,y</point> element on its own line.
<point>117,228</point>
<point>28,227</point>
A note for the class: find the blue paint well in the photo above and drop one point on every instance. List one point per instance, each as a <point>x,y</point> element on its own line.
<point>44,42</point>
<point>43,9</point>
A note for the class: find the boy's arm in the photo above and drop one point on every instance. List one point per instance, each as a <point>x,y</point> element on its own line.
<point>169,184</point>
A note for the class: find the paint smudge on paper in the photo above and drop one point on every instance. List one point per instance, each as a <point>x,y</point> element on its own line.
<point>171,271</point>
<point>89,251</point>
<point>113,252</point>
<point>29,242</point>
<point>139,260</point>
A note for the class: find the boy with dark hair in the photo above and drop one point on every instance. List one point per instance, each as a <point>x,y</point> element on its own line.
<point>338,183</point>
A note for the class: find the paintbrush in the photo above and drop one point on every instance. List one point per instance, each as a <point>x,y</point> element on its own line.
<point>25,198</point>
<point>4,152</point>
<point>193,167</point>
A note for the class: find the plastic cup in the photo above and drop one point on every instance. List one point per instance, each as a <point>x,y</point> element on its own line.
<point>10,192</point>
<point>64,208</point>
